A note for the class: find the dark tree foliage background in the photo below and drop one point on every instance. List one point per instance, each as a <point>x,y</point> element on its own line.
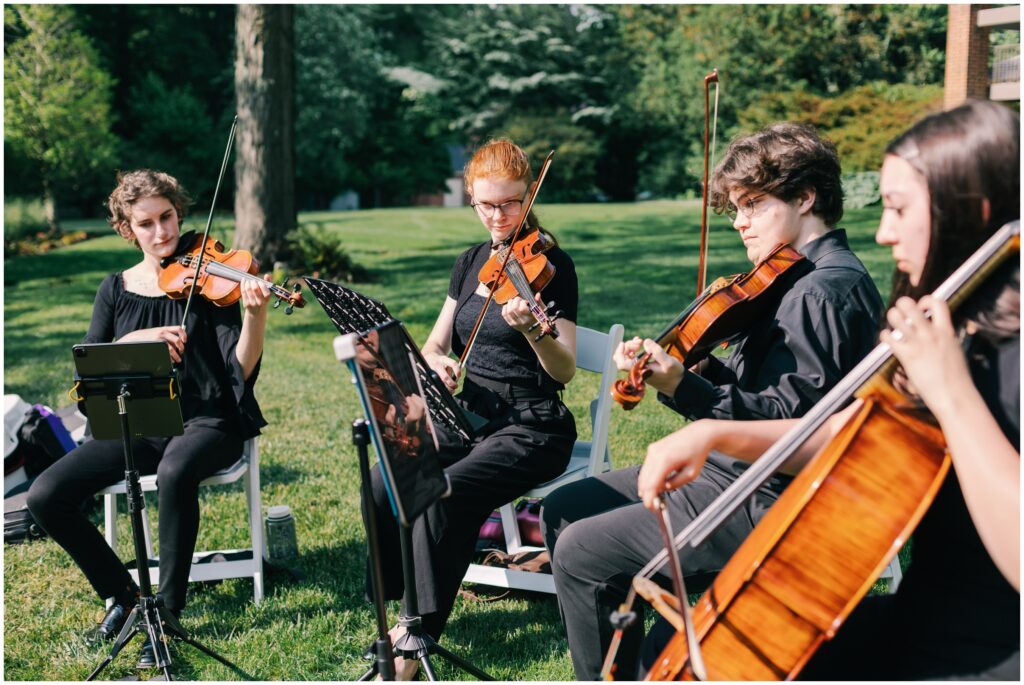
<point>384,93</point>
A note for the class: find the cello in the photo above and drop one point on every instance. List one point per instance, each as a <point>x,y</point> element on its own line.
<point>818,550</point>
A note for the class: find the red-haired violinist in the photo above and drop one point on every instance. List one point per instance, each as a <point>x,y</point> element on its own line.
<point>512,379</point>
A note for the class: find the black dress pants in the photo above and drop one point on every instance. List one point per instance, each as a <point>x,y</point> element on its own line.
<point>56,497</point>
<point>600,535</point>
<point>528,442</point>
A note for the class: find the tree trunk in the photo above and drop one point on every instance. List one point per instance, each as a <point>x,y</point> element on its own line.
<point>265,161</point>
<point>50,208</point>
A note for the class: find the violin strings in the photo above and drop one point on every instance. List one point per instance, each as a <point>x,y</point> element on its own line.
<point>238,273</point>
<point>515,272</point>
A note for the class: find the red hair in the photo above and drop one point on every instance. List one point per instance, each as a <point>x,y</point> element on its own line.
<point>499,158</point>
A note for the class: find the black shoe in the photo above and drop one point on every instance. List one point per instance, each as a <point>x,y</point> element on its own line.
<point>112,623</point>
<point>147,657</point>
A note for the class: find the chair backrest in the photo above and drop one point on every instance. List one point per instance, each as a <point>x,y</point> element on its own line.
<point>594,353</point>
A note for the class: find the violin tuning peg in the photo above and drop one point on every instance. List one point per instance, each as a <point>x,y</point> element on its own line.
<point>277,303</point>
<point>535,324</point>
<point>297,288</point>
<point>288,310</point>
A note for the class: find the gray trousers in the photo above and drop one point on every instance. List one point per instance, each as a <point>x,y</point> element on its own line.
<point>600,535</point>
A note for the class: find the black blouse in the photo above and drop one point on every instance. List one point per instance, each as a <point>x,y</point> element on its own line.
<point>952,590</point>
<point>214,391</point>
<point>500,352</point>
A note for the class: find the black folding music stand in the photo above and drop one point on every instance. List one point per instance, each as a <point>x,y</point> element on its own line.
<point>352,312</point>
<point>411,480</point>
<point>130,391</point>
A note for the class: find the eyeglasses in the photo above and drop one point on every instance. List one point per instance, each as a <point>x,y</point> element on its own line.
<point>747,208</point>
<point>510,208</point>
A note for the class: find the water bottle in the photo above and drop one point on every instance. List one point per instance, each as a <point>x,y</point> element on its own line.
<point>280,534</point>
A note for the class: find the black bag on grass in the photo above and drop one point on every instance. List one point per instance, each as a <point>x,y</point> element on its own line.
<point>19,526</point>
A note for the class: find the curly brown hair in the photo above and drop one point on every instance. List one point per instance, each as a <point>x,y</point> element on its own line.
<point>132,186</point>
<point>783,160</point>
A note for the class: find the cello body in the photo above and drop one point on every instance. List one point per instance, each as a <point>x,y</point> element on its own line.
<point>820,547</point>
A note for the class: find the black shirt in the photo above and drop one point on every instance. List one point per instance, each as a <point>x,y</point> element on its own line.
<point>214,391</point>
<point>824,324</point>
<point>500,352</point>
<point>953,592</point>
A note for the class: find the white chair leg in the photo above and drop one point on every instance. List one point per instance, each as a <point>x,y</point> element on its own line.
<point>110,520</point>
<point>896,574</point>
<point>147,531</point>
<point>510,526</point>
<point>110,526</point>
<point>254,504</point>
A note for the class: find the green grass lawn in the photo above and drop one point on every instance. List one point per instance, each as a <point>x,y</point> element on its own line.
<point>636,265</point>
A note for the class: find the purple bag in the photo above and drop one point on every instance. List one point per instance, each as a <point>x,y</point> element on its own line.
<point>528,517</point>
<point>42,439</point>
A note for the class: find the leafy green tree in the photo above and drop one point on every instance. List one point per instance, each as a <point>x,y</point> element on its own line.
<point>337,71</point>
<point>560,67</point>
<point>860,121</point>
<point>760,50</point>
<point>402,156</point>
<point>56,99</point>
<point>573,175</point>
<point>180,136</point>
<point>174,72</point>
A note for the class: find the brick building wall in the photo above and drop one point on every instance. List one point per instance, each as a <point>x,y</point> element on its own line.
<point>966,56</point>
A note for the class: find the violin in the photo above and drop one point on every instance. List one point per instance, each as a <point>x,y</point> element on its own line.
<point>727,307</point>
<point>221,273</point>
<point>527,270</point>
<point>524,254</point>
<point>818,550</point>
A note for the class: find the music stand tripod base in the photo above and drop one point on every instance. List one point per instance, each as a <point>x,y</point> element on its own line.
<point>110,377</point>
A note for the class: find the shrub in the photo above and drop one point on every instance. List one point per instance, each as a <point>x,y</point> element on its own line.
<point>860,121</point>
<point>22,218</point>
<point>861,189</point>
<point>317,251</point>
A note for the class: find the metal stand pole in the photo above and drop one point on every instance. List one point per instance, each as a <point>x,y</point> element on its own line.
<point>380,651</point>
<point>149,616</point>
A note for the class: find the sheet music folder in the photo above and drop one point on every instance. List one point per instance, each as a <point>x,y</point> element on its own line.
<point>352,312</point>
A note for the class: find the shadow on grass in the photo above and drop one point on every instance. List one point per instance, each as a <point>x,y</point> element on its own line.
<point>65,262</point>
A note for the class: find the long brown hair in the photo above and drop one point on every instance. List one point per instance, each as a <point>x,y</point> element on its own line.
<point>967,155</point>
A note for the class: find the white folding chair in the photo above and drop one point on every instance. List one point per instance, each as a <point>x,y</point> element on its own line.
<point>894,573</point>
<point>589,458</point>
<point>238,563</point>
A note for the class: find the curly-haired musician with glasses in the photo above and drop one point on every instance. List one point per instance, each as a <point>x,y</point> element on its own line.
<point>779,185</point>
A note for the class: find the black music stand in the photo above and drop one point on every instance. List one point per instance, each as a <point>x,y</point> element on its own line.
<point>399,479</point>
<point>130,391</point>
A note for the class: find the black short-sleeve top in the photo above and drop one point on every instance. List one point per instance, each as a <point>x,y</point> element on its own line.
<point>214,391</point>
<point>500,352</point>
